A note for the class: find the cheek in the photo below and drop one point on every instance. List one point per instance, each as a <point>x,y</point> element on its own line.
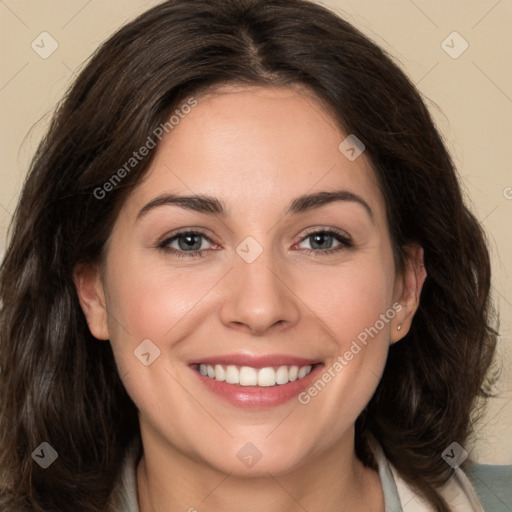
<point>351,298</point>
<point>355,307</point>
<point>159,304</point>
<point>149,300</point>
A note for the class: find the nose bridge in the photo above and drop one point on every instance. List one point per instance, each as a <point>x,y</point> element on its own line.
<point>255,294</point>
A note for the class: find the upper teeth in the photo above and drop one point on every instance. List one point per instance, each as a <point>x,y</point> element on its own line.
<point>247,376</point>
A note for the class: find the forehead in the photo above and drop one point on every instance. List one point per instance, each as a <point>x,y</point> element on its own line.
<point>256,146</point>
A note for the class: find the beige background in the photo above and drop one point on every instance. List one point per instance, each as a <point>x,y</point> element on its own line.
<point>470,97</point>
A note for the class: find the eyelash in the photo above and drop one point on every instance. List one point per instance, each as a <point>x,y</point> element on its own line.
<point>345,243</point>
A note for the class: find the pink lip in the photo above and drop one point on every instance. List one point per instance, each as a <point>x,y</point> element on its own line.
<point>255,361</point>
<point>255,397</point>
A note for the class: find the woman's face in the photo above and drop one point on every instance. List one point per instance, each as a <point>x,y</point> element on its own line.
<point>275,262</point>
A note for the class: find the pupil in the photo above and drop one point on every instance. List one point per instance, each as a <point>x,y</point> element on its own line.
<point>319,240</point>
<point>190,242</point>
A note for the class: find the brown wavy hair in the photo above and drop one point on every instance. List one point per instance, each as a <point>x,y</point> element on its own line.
<point>60,385</point>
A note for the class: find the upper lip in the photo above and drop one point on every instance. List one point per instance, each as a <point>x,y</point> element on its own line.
<point>255,361</point>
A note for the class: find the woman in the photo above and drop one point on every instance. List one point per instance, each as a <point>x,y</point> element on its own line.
<point>241,277</point>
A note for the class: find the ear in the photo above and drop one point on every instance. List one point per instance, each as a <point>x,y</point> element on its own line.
<point>408,285</point>
<point>89,286</point>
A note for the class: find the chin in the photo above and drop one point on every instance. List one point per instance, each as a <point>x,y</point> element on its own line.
<point>253,459</point>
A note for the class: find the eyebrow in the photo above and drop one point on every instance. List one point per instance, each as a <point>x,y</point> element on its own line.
<point>213,206</point>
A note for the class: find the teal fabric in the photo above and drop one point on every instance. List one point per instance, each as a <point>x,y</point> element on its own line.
<point>493,484</point>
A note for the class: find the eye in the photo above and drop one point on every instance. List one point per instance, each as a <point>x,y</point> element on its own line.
<point>187,244</point>
<point>325,241</point>
<point>193,243</point>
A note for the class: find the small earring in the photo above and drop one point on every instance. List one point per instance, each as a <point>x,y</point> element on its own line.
<point>399,327</point>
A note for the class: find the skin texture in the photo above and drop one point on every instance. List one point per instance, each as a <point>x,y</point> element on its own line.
<point>255,149</point>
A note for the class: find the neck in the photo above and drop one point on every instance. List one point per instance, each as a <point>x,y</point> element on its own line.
<point>168,480</point>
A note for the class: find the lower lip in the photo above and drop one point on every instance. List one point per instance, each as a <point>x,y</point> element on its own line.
<point>256,397</point>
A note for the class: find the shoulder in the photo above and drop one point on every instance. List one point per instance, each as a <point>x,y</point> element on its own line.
<point>493,485</point>
<point>477,488</point>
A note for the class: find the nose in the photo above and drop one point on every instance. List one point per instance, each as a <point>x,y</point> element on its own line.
<point>258,298</point>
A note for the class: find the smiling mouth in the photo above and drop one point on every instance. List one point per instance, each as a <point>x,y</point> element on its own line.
<point>260,377</point>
